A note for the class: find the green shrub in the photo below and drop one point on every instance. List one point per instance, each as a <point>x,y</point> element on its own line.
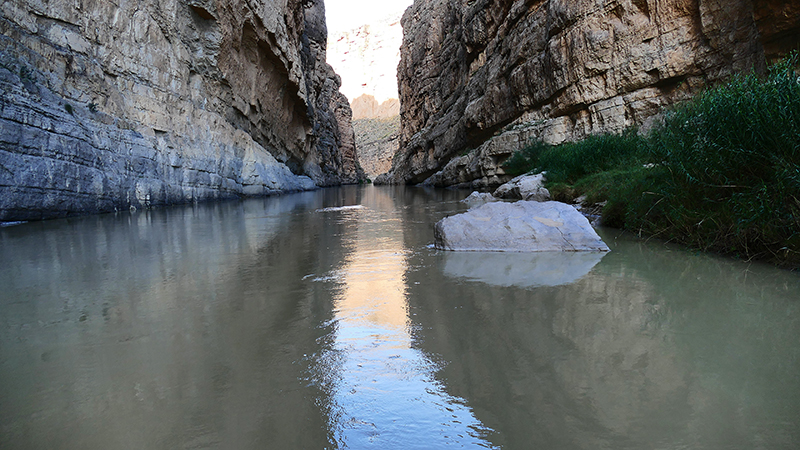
<point>733,158</point>
<point>525,160</point>
<point>721,173</point>
<point>570,162</point>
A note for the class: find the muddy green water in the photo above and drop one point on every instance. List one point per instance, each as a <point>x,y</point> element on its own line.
<point>295,323</point>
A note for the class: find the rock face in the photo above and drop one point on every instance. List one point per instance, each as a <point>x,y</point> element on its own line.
<point>518,227</point>
<point>109,105</point>
<point>377,133</point>
<point>377,141</point>
<point>476,72</point>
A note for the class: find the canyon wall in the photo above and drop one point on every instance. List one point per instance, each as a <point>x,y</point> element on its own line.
<point>109,105</point>
<point>377,141</point>
<point>367,59</point>
<point>480,78</point>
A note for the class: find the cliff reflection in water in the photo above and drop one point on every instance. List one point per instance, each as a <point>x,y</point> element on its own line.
<point>178,328</point>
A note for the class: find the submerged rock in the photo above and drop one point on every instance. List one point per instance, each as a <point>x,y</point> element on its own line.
<point>518,227</point>
<point>524,187</point>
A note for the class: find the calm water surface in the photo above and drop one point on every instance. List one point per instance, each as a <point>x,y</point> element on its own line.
<point>326,320</point>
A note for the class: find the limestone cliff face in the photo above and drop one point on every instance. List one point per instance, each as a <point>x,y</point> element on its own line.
<point>377,141</point>
<point>109,105</point>
<point>481,78</point>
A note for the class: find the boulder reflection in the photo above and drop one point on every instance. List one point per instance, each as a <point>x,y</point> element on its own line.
<point>521,269</point>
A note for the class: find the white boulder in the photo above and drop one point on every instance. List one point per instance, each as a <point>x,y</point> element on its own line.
<point>524,187</point>
<point>518,227</point>
<point>478,199</point>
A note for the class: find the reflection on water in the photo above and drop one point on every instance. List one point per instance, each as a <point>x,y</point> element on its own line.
<point>653,348</point>
<point>521,269</point>
<point>325,320</point>
<point>382,392</point>
<point>160,330</point>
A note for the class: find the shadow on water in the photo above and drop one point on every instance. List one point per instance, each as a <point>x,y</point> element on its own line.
<point>326,320</point>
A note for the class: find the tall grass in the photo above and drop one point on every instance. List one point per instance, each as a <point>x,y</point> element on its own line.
<point>567,163</point>
<point>723,170</point>
<point>733,156</point>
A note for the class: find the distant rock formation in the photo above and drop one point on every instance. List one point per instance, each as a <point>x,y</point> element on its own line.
<point>367,58</point>
<point>366,107</point>
<point>377,141</point>
<point>479,80</point>
<point>109,105</point>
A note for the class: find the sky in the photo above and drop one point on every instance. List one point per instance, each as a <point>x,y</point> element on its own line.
<point>343,15</point>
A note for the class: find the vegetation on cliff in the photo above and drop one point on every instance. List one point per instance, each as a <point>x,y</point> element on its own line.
<point>720,173</point>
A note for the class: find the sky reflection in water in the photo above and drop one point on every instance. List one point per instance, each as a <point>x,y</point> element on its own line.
<point>383,393</point>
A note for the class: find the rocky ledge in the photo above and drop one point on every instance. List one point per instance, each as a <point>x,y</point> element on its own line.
<point>109,105</point>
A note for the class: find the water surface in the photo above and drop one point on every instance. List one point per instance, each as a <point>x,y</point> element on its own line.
<point>326,320</point>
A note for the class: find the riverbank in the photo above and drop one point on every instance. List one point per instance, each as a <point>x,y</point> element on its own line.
<point>720,173</point>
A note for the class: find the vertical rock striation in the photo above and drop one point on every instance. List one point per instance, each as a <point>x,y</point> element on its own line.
<point>109,105</point>
<point>479,78</point>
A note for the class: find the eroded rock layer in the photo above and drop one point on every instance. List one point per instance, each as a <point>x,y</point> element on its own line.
<point>480,78</point>
<point>108,105</point>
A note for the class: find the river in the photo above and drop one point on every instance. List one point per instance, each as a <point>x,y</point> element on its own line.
<point>326,320</point>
